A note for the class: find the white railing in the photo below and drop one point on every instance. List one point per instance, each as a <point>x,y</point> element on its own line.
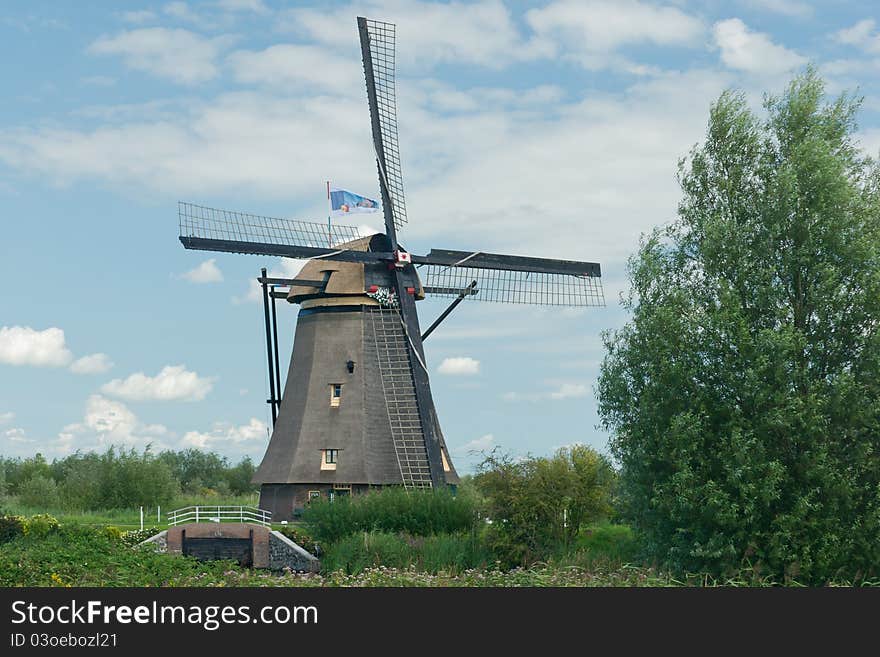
<point>219,514</point>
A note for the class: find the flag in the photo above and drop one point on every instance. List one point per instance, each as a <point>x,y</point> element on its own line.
<point>344,203</point>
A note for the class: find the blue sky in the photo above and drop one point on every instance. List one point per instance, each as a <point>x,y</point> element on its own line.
<point>549,129</point>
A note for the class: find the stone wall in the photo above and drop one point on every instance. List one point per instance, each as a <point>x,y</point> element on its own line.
<point>275,550</point>
<point>284,553</point>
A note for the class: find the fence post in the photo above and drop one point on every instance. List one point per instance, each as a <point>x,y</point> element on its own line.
<point>158,515</point>
<point>197,513</point>
<point>142,518</point>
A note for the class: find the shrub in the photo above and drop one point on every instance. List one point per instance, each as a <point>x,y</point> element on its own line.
<point>40,525</point>
<point>415,512</point>
<point>539,505</point>
<point>77,555</point>
<point>300,535</point>
<point>39,491</point>
<point>11,527</point>
<point>111,531</point>
<point>615,543</point>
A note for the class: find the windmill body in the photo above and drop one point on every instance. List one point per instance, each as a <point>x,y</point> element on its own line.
<point>357,411</point>
<point>349,418</point>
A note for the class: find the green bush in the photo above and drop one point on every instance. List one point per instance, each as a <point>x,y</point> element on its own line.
<point>300,535</point>
<point>415,512</point>
<point>81,556</point>
<point>38,491</point>
<point>11,527</point>
<point>111,531</point>
<point>40,525</point>
<point>539,505</point>
<point>611,542</point>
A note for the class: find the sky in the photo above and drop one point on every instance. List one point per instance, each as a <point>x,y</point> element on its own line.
<point>550,129</point>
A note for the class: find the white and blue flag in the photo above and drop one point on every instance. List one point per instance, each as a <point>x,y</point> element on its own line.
<point>344,203</point>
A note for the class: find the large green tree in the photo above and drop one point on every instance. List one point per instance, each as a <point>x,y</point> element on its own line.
<point>743,395</point>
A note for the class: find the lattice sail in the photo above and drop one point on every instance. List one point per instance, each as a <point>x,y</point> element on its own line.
<point>381,50</point>
<point>506,286</point>
<point>211,223</point>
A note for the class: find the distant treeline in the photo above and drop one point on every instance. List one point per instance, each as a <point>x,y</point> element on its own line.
<point>121,478</point>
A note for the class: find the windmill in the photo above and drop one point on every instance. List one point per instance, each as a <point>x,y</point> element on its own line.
<point>357,410</point>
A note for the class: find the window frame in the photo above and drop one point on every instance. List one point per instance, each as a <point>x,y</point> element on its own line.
<point>335,399</point>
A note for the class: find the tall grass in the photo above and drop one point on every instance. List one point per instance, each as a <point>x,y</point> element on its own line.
<point>390,510</point>
<point>446,553</point>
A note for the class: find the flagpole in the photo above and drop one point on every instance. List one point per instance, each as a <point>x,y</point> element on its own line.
<point>329,212</point>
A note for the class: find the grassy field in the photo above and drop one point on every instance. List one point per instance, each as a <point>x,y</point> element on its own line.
<point>98,549</point>
<point>86,556</point>
<point>76,555</point>
<point>127,518</point>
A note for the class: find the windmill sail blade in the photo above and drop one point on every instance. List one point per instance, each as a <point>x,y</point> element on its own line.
<point>377,50</point>
<point>511,279</point>
<point>210,229</point>
<point>481,260</point>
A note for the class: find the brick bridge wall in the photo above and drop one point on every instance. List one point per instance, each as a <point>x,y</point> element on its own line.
<point>220,531</point>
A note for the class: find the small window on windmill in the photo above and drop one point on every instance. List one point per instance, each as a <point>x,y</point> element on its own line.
<point>335,394</point>
<point>328,459</point>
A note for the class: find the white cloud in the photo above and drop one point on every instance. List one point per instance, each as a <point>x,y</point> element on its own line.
<point>173,383</point>
<point>174,54</point>
<point>138,17</point>
<point>22,345</point>
<point>592,30</point>
<point>240,144</point>
<point>181,11</point>
<point>191,150</point>
<point>206,272</point>
<point>793,8</point>
<point>563,391</point>
<point>16,435</point>
<point>256,6</point>
<point>460,366</point>
<point>106,423</point>
<point>480,444</point>
<point>7,417</point>
<point>481,32</point>
<point>862,35</point>
<point>92,364</point>
<point>225,436</point>
<point>753,52</point>
<point>288,64</point>
<point>569,391</point>
<point>485,33</point>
